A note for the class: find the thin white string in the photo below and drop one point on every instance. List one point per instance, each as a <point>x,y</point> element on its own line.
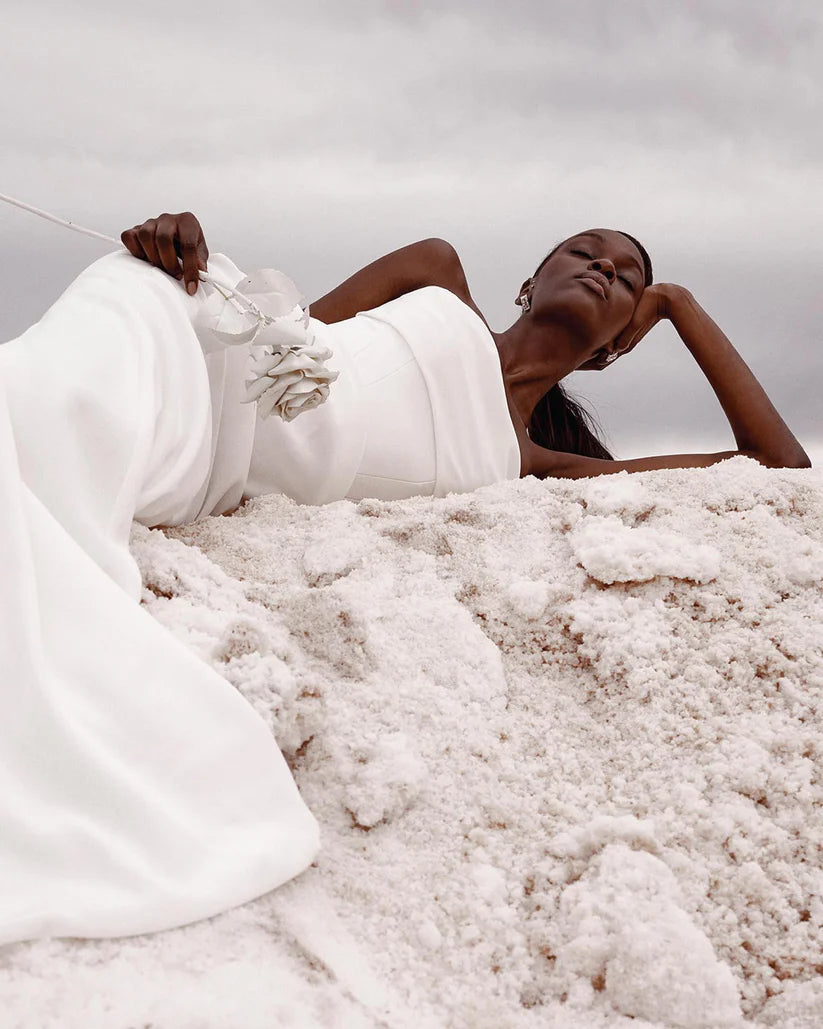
<point>223,287</point>
<point>54,218</point>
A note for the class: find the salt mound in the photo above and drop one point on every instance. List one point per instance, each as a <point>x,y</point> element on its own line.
<point>563,740</point>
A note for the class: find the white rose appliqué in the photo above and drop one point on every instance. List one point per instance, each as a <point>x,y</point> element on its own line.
<point>267,310</point>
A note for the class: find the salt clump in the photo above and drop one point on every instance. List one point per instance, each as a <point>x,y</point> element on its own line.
<point>385,778</point>
<point>620,494</point>
<point>613,552</point>
<point>529,599</point>
<point>621,925</point>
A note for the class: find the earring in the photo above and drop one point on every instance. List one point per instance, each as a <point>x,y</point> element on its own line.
<point>525,303</point>
<point>612,357</point>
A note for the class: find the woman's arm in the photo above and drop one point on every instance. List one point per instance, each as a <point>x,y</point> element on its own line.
<point>174,239</point>
<point>758,429</point>
<point>431,262</point>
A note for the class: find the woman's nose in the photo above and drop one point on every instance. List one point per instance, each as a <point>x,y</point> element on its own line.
<point>605,267</point>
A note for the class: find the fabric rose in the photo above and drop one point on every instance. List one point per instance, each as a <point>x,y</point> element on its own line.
<point>267,310</point>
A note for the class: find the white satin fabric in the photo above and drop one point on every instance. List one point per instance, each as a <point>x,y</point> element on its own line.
<point>419,408</point>
<point>138,790</point>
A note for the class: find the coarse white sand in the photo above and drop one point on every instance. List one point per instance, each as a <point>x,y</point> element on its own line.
<point>564,742</point>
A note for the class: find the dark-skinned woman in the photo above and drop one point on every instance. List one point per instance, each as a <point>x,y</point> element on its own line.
<point>139,791</point>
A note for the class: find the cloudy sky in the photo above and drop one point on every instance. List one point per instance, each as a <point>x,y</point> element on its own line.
<point>316,136</point>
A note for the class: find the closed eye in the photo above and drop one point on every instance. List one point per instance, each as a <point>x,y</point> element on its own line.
<point>627,282</point>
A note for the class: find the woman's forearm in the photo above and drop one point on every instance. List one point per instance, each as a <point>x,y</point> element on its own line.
<point>756,424</point>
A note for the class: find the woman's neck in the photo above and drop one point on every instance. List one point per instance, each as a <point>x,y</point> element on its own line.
<point>532,360</point>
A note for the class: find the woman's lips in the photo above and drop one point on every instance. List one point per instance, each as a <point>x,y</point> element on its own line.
<point>593,284</point>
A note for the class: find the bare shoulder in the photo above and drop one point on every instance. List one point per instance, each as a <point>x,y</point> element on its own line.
<point>450,273</point>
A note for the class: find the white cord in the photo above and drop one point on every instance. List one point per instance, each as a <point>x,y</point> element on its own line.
<point>54,218</point>
<point>228,291</point>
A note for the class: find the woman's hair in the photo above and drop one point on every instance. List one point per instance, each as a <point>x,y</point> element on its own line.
<point>562,423</point>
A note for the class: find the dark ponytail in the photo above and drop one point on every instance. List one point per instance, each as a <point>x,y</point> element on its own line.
<point>561,423</point>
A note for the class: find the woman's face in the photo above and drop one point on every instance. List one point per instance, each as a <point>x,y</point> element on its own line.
<point>591,284</point>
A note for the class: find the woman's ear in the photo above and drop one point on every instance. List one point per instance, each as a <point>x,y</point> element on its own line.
<point>523,295</point>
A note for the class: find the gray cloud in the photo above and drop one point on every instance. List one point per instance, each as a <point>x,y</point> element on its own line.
<point>318,139</point>
<point>393,77</point>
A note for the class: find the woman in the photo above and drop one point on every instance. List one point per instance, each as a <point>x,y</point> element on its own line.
<point>138,791</point>
<point>589,302</point>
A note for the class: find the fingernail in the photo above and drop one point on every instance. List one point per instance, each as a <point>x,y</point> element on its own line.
<point>192,288</point>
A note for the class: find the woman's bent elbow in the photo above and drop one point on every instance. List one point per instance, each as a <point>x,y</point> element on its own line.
<point>440,250</point>
<point>443,267</point>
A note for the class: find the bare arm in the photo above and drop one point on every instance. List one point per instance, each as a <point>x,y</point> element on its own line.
<point>174,239</point>
<point>758,429</point>
<point>431,262</point>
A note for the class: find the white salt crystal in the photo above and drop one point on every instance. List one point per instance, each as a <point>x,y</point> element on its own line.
<point>429,935</point>
<point>527,598</point>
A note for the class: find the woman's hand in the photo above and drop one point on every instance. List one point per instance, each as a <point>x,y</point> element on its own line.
<point>167,240</point>
<point>654,306</point>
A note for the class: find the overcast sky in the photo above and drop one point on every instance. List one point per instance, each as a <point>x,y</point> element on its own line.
<point>316,136</point>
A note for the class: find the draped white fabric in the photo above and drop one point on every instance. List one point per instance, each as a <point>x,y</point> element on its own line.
<point>138,790</point>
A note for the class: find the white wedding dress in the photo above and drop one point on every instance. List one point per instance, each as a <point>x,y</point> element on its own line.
<point>138,790</point>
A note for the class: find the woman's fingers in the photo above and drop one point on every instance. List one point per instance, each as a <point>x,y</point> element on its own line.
<point>165,235</point>
<point>145,235</point>
<point>629,338</point>
<point>190,238</point>
<point>166,242</point>
<point>646,315</point>
<point>130,241</point>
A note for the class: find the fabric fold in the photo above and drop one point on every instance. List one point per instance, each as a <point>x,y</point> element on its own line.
<point>138,790</point>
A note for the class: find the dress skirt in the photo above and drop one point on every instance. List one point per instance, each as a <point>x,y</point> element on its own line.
<point>138,790</point>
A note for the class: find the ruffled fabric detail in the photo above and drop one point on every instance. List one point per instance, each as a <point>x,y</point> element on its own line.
<point>267,311</point>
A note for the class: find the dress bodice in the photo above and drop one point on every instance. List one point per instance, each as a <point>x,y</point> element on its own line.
<point>419,407</point>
